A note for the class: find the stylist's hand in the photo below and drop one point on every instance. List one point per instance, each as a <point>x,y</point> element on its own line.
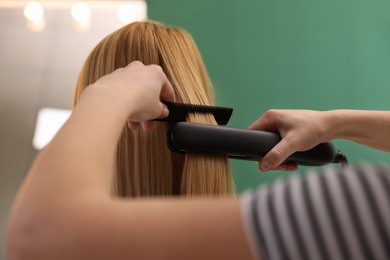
<point>300,130</point>
<point>141,88</point>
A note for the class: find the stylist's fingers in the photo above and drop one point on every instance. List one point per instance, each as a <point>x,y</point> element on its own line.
<point>277,155</point>
<point>167,92</point>
<point>133,125</point>
<point>287,167</point>
<point>267,122</point>
<point>160,85</point>
<point>147,126</point>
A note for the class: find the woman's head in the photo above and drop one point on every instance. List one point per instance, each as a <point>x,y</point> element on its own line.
<point>145,166</point>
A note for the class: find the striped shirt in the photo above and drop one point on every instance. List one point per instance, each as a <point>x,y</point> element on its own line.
<point>334,214</point>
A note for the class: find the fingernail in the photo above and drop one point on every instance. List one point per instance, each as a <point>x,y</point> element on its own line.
<point>165,110</point>
<point>265,166</point>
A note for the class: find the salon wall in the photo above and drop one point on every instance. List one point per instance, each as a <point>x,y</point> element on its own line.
<point>290,54</point>
<point>37,69</point>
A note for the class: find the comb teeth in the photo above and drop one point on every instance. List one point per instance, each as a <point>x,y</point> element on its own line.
<point>179,111</point>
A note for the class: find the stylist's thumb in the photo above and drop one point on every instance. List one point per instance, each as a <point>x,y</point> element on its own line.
<point>276,156</point>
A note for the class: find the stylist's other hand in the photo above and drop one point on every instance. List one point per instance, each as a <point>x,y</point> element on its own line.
<point>300,130</point>
<point>141,88</point>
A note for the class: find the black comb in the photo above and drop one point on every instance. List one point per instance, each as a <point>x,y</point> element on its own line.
<point>179,111</point>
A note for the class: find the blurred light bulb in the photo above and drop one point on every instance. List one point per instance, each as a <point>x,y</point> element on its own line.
<point>81,12</point>
<point>82,27</point>
<point>127,13</point>
<point>33,11</point>
<point>81,17</point>
<point>36,26</point>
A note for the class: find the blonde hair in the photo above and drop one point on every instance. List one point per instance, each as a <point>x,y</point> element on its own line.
<point>145,166</point>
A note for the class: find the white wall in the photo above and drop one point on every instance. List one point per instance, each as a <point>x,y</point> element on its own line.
<point>36,70</point>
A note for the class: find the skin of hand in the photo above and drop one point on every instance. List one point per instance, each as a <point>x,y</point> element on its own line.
<point>147,102</point>
<point>303,129</point>
<point>300,130</point>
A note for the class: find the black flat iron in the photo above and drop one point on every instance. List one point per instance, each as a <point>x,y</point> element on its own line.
<point>242,144</point>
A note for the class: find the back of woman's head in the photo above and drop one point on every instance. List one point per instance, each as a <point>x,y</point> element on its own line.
<point>145,166</point>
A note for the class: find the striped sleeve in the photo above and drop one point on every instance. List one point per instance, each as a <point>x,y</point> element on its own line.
<point>332,214</point>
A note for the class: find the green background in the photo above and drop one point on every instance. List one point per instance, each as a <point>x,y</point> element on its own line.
<point>289,54</point>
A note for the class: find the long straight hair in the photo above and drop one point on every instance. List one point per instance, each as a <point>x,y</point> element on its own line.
<point>144,164</point>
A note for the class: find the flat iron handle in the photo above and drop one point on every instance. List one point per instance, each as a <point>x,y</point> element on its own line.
<point>240,144</point>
